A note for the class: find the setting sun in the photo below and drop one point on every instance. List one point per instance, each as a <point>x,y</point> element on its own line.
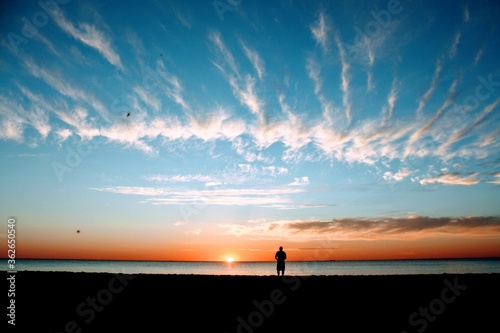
<point>229,259</point>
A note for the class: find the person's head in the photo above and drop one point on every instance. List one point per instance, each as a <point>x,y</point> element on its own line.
<point>281,248</point>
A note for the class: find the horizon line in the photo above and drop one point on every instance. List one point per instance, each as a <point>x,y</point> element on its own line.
<point>263,261</point>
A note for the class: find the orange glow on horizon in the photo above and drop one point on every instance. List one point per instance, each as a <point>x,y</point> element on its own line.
<point>432,248</point>
<point>70,244</point>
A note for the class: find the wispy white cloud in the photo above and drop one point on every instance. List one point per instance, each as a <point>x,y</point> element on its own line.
<point>255,59</point>
<point>240,174</point>
<point>391,101</point>
<point>185,19</point>
<point>44,40</point>
<point>448,101</point>
<point>55,81</point>
<point>291,130</point>
<point>170,84</point>
<point>216,196</point>
<point>148,98</point>
<point>345,77</point>
<point>63,134</point>
<point>249,98</point>
<point>488,139</point>
<point>11,123</point>
<point>38,114</point>
<point>138,133</point>
<point>202,199</point>
<point>478,56</point>
<point>466,14</point>
<point>467,128</point>
<point>90,36</point>
<point>371,60</point>
<point>65,88</point>
<point>249,150</point>
<point>216,125</point>
<point>302,181</point>
<point>16,116</point>
<point>435,78</point>
<point>369,80</point>
<point>136,46</point>
<point>133,190</point>
<point>451,179</point>
<point>243,87</point>
<point>423,130</point>
<point>287,120</point>
<point>313,71</point>
<point>27,155</point>
<point>453,49</point>
<point>216,38</point>
<point>319,30</point>
<point>276,171</point>
<point>496,180</point>
<point>486,111</point>
<point>369,52</point>
<point>398,176</point>
<point>249,172</point>
<point>168,179</point>
<point>78,119</point>
<point>135,41</point>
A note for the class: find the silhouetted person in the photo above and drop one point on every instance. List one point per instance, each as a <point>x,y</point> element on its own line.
<point>280,257</point>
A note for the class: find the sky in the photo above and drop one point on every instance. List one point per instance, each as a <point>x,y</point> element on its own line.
<point>202,130</point>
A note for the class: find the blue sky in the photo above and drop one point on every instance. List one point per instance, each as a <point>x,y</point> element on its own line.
<point>224,118</point>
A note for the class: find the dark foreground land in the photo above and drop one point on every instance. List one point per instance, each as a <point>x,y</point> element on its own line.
<point>96,302</point>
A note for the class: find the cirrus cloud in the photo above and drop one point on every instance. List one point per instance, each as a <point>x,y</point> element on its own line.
<point>451,179</point>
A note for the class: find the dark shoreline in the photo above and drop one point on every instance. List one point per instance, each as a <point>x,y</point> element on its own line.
<point>102,302</point>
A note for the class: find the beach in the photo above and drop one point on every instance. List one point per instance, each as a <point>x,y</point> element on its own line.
<point>102,302</point>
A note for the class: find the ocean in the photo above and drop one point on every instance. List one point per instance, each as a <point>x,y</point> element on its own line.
<point>379,267</point>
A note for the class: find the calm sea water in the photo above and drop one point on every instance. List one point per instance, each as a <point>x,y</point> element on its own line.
<point>392,267</point>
